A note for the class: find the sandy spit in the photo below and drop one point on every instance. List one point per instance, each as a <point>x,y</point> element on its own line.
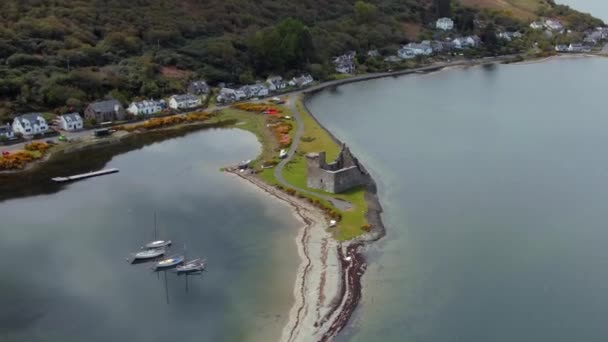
<point>327,287</point>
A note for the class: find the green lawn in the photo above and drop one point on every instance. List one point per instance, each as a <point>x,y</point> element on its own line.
<point>315,139</point>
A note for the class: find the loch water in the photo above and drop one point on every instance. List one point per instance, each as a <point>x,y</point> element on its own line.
<point>63,253</point>
<point>494,182</point>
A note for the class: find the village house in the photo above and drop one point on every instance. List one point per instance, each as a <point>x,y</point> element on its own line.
<point>259,90</point>
<point>549,24</point>
<point>146,107</point>
<point>71,122</point>
<point>240,94</point>
<point>509,36</point>
<point>345,64</point>
<point>185,101</point>
<point>198,88</point>
<point>445,24</point>
<point>537,25</point>
<point>103,111</point>
<point>253,90</point>
<point>465,42</point>
<point>275,83</point>
<point>6,132</point>
<point>554,25</point>
<point>302,81</point>
<point>227,95</point>
<point>574,47</point>
<point>406,53</point>
<point>373,54</point>
<point>30,124</point>
<point>412,50</point>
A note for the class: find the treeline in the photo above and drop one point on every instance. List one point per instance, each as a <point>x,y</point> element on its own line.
<point>61,54</point>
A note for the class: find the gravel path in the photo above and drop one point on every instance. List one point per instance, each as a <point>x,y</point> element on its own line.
<point>278,171</point>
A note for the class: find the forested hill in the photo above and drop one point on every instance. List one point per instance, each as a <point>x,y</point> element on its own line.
<point>58,53</point>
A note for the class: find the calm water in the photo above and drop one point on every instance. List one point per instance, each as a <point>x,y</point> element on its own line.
<point>598,8</point>
<point>495,185</point>
<point>64,274</point>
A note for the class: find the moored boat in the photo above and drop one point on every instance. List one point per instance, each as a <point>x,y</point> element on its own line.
<point>158,244</point>
<point>149,254</point>
<point>192,266</point>
<point>169,262</point>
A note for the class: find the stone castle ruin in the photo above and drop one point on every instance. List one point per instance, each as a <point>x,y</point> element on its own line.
<point>343,174</point>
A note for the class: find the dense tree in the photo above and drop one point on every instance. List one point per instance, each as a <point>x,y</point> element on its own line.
<point>443,8</point>
<point>365,12</point>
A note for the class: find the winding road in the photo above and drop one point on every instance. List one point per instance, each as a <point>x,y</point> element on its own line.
<point>278,171</point>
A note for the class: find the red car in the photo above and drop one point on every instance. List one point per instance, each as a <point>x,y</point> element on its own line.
<point>5,153</point>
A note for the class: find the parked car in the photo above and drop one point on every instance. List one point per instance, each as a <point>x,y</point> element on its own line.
<point>51,142</point>
<point>6,153</point>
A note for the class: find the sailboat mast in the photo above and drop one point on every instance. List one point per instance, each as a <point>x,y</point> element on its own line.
<point>155,226</point>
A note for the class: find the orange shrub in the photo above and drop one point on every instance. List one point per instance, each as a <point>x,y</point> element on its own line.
<point>255,107</point>
<point>37,146</point>
<point>156,123</point>
<point>16,160</point>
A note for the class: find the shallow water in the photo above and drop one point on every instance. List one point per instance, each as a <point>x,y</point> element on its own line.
<point>64,273</point>
<point>495,186</point>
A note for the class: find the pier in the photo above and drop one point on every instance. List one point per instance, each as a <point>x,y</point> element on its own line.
<point>84,175</point>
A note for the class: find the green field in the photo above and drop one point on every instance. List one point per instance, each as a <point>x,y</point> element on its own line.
<point>314,139</point>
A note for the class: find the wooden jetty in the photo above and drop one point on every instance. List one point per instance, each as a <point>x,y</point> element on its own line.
<point>84,175</point>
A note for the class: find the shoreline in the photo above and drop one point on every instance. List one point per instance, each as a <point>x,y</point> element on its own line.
<point>320,295</point>
<point>328,285</point>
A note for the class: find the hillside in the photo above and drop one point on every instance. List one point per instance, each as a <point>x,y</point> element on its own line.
<point>63,53</point>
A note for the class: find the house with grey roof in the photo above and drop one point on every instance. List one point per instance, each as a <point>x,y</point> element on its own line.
<point>71,122</point>
<point>199,87</point>
<point>30,124</point>
<point>104,111</point>
<point>275,83</point>
<point>185,101</point>
<point>6,132</point>
<point>227,95</point>
<point>146,107</point>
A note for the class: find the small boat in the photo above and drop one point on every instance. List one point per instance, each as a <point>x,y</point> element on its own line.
<point>169,262</point>
<point>148,254</point>
<point>283,154</point>
<point>192,266</point>
<point>158,244</point>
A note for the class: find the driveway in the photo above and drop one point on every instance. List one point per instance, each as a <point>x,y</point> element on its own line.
<point>278,171</point>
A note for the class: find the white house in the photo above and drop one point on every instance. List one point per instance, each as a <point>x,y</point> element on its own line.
<point>445,24</point>
<point>7,132</point>
<point>537,25</point>
<point>185,101</point>
<point>146,107</point>
<point>509,36</point>
<point>275,83</point>
<point>71,122</point>
<point>30,124</point>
